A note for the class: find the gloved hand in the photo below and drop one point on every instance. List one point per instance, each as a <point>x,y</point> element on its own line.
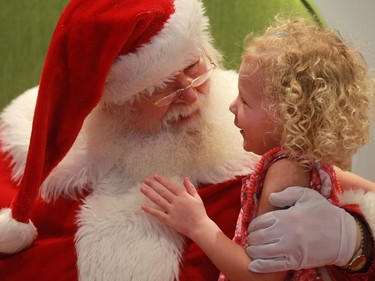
<point>311,233</point>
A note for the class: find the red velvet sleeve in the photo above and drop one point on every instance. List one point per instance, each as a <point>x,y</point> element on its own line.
<point>222,202</point>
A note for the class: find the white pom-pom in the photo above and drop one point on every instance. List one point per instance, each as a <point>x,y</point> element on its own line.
<point>15,236</point>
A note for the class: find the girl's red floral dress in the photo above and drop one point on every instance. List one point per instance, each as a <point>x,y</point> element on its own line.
<point>323,180</point>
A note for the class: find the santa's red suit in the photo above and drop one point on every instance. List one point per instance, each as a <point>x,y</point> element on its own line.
<point>89,167</point>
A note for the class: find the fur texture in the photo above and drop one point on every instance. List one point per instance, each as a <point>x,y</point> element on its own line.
<point>14,236</point>
<point>366,202</point>
<point>16,121</point>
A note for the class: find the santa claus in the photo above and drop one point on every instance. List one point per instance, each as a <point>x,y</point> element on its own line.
<point>129,89</point>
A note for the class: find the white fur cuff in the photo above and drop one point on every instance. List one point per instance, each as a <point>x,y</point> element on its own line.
<point>366,202</point>
<point>15,236</point>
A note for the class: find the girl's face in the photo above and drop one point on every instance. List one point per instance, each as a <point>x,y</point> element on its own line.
<point>257,127</point>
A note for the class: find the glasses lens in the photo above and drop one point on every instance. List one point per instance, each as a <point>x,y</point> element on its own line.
<point>203,78</point>
<point>195,83</point>
<point>168,99</point>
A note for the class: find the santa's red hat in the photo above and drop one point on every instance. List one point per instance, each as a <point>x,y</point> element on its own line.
<point>100,50</point>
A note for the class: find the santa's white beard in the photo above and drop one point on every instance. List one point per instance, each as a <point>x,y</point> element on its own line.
<point>169,149</point>
<point>167,152</point>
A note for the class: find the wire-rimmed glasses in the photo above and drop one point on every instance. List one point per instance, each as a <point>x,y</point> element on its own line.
<point>196,82</point>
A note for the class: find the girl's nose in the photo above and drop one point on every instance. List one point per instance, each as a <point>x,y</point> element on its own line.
<point>232,106</point>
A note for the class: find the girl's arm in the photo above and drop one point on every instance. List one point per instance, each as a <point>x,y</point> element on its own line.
<point>282,174</point>
<point>349,180</point>
<point>183,210</point>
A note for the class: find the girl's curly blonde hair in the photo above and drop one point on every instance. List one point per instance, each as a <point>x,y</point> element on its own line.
<point>318,89</point>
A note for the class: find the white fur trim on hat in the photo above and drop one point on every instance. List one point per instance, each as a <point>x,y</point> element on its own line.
<point>15,236</point>
<point>176,46</point>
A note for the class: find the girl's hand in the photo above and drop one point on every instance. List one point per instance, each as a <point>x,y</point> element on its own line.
<point>180,208</point>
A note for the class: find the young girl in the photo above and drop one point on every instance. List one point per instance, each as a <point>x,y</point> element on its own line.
<point>303,105</point>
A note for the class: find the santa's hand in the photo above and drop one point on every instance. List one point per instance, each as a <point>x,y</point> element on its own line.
<point>311,233</point>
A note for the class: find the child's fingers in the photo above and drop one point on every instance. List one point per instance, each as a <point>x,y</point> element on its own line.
<point>155,197</point>
<point>171,186</point>
<point>160,189</point>
<point>158,214</point>
<point>190,188</point>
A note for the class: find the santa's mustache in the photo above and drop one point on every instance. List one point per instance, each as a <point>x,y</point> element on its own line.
<point>183,111</point>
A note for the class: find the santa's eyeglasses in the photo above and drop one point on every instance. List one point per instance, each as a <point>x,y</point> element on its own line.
<point>196,82</point>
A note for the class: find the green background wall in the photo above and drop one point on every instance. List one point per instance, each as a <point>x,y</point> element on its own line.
<point>232,20</point>
<point>26,27</point>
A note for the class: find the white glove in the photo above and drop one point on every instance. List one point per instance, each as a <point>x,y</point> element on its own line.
<point>311,233</point>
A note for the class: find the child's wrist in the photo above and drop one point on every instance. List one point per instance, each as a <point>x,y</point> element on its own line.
<point>203,231</point>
